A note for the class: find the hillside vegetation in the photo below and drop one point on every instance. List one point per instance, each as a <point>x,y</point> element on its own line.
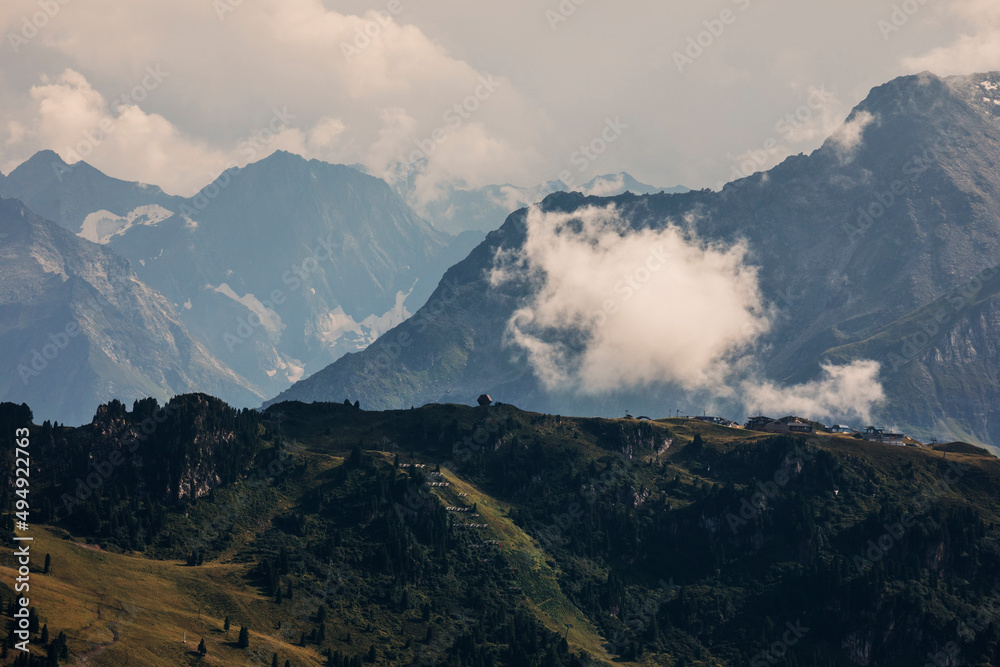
<point>455,535</point>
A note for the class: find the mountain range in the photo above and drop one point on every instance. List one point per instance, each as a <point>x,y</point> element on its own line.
<point>457,208</point>
<point>882,244</point>
<point>309,281</point>
<point>277,268</point>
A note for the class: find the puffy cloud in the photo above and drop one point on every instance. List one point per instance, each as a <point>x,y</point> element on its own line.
<point>616,308</point>
<point>976,49</point>
<point>841,392</point>
<point>76,121</point>
<point>347,79</point>
<point>847,139</point>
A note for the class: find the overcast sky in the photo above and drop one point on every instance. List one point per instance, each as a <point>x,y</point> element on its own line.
<point>172,92</point>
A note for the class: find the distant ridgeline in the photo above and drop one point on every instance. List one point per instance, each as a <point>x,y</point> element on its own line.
<point>487,535</point>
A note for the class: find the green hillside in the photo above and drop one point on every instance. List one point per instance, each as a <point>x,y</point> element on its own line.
<point>455,535</point>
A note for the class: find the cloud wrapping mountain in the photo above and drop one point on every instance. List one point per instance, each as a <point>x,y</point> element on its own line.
<point>615,309</point>
<point>618,308</point>
<point>867,252</point>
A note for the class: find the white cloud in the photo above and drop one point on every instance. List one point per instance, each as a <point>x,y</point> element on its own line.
<point>226,76</point>
<point>977,49</point>
<point>847,139</point>
<point>840,393</point>
<point>77,122</point>
<point>604,186</point>
<point>615,308</point>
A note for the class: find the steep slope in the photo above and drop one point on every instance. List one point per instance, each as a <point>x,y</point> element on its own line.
<point>898,208</point>
<point>283,266</point>
<point>256,282</point>
<point>79,328</point>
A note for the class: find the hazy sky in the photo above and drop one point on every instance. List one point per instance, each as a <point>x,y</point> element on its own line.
<point>171,92</point>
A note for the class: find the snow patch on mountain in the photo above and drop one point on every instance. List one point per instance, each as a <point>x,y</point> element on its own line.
<point>269,319</point>
<point>101,226</point>
<point>334,326</point>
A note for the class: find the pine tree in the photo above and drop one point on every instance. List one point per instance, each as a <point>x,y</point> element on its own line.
<point>48,563</point>
<point>274,660</point>
<point>202,649</point>
<point>372,654</point>
<point>225,626</point>
<point>45,634</point>
<point>244,640</point>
